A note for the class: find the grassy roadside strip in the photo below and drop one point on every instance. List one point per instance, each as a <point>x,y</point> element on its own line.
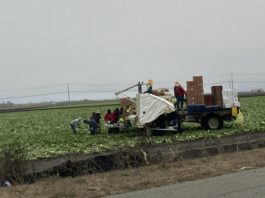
<point>122,181</point>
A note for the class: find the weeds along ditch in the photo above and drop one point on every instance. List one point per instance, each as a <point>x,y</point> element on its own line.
<point>47,133</point>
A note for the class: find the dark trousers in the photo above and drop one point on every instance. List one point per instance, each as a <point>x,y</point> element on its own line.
<point>179,101</point>
<point>93,126</point>
<point>73,128</point>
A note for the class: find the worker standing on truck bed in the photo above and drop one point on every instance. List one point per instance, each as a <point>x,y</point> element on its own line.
<point>179,94</point>
<point>149,87</point>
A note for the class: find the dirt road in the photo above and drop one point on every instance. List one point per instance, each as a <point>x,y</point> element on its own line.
<point>122,181</point>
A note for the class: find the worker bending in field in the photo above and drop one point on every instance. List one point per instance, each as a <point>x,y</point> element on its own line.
<point>92,123</point>
<point>179,93</point>
<point>97,117</point>
<point>75,123</point>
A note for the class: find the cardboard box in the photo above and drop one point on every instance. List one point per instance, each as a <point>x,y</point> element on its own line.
<point>191,91</point>
<point>190,84</point>
<point>199,89</point>
<point>216,88</point>
<point>208,100</point>
<point>217,95</point>
<point>198,80</point>
<point>126,102</point>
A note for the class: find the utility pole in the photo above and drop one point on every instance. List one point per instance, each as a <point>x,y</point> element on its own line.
<point>232,80</point>
<point>68,91</point>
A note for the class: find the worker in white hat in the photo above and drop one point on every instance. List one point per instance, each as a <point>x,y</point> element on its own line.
<point>179,93</point>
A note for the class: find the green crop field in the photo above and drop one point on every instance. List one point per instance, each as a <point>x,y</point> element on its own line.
<point>46,132</point>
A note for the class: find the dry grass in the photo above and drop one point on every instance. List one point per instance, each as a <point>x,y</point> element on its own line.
<point>122,181</point>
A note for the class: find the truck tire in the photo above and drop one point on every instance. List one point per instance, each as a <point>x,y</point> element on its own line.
<point>212,122</point>
<point>179,129</point>
<point>204,123</point>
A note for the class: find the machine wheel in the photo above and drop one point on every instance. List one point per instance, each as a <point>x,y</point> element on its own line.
<point>212,122</point>
<point>204,123</point>
<point>179,125</point>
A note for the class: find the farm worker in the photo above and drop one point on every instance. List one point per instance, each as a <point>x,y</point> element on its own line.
<point>108,116</point>
<point>75,123</point>
<point>117,115</point>
<point>97,119</point>
<point>122,111</point>
<point>97,116</point>
<point>93,124</point>
<point>112,117</point>
<point>179,93</point>
<point>149,86</point>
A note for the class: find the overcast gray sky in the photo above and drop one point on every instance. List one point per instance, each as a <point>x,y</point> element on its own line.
<point>50,42</point>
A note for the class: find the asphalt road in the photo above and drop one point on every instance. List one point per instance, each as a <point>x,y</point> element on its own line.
<point>244,184</point>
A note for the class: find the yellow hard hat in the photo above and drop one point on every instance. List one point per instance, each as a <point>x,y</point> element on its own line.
<point>150,82</point>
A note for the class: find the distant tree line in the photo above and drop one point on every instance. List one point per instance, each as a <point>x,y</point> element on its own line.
<point>6,104</point>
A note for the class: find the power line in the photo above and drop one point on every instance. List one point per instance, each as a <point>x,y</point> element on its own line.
<point>127,84</point>
<point>99,84</point>
<point>37,95</point>
<point>67,88</point>
<point>33,88</point>
<point>250,81</point>
<point>63,92</point>
<point>92,91</point>
<point>252,74</point>
<point>214,83</point>
<point>98,91</point>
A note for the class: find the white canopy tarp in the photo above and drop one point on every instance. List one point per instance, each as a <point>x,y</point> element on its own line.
<point>151,107</point>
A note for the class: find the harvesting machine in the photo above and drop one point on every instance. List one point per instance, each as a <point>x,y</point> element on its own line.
<point>157,112</point>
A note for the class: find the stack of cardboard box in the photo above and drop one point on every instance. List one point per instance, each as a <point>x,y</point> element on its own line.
<point>217,95</point>
<point>195,94</point>
<point>126,102</point>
